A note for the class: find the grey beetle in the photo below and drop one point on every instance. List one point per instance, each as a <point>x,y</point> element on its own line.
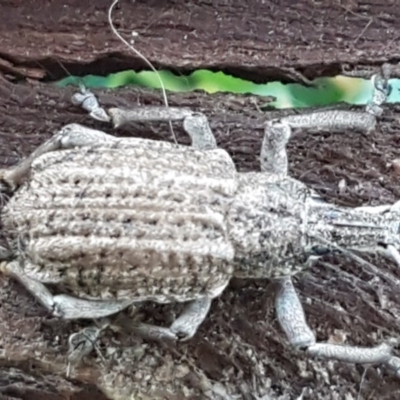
<point>105,222</point>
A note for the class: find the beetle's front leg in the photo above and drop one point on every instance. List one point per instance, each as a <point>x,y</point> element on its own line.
<point>278,132</point>
<point>291,317</point>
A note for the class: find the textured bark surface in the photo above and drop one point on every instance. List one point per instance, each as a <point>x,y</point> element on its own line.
<point>254,38</point>
<point>240,349</point>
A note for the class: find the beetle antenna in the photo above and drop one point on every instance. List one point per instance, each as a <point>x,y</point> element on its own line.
<point>371,267</point>
<point>146,60</point>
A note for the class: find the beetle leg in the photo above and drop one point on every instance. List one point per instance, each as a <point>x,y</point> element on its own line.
<point>278,131</point>
<point>81,344</point>
<point>332,120</point>
<point>339,120</point>
<point>70,136</point>
<point>182,329</point>
<point>197,127</point>
<point>292,320</point>
<point>89,102</point>
<point>381,92</point>
<point>186,325</point>
<point>37,289</point>
<point>64,306</point>
<point>273,157</point>
<point>195,124</point>
<point>69,307</point>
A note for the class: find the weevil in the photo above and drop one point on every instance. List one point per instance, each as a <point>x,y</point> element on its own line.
<point>96,223</point>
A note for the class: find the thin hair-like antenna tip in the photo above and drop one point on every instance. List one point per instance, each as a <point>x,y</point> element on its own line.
<point>140,55</point>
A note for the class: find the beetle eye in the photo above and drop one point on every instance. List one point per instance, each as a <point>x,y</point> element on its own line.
<point>320,250</point>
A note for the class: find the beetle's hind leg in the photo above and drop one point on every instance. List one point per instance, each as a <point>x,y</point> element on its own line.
<point>63,306</point>
<point>291,317</point>
<point>69,307</point>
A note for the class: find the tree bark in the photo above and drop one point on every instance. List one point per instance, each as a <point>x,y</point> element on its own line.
<point>240,349</point>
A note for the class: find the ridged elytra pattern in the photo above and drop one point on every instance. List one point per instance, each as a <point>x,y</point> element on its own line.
<point>145,223</point>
